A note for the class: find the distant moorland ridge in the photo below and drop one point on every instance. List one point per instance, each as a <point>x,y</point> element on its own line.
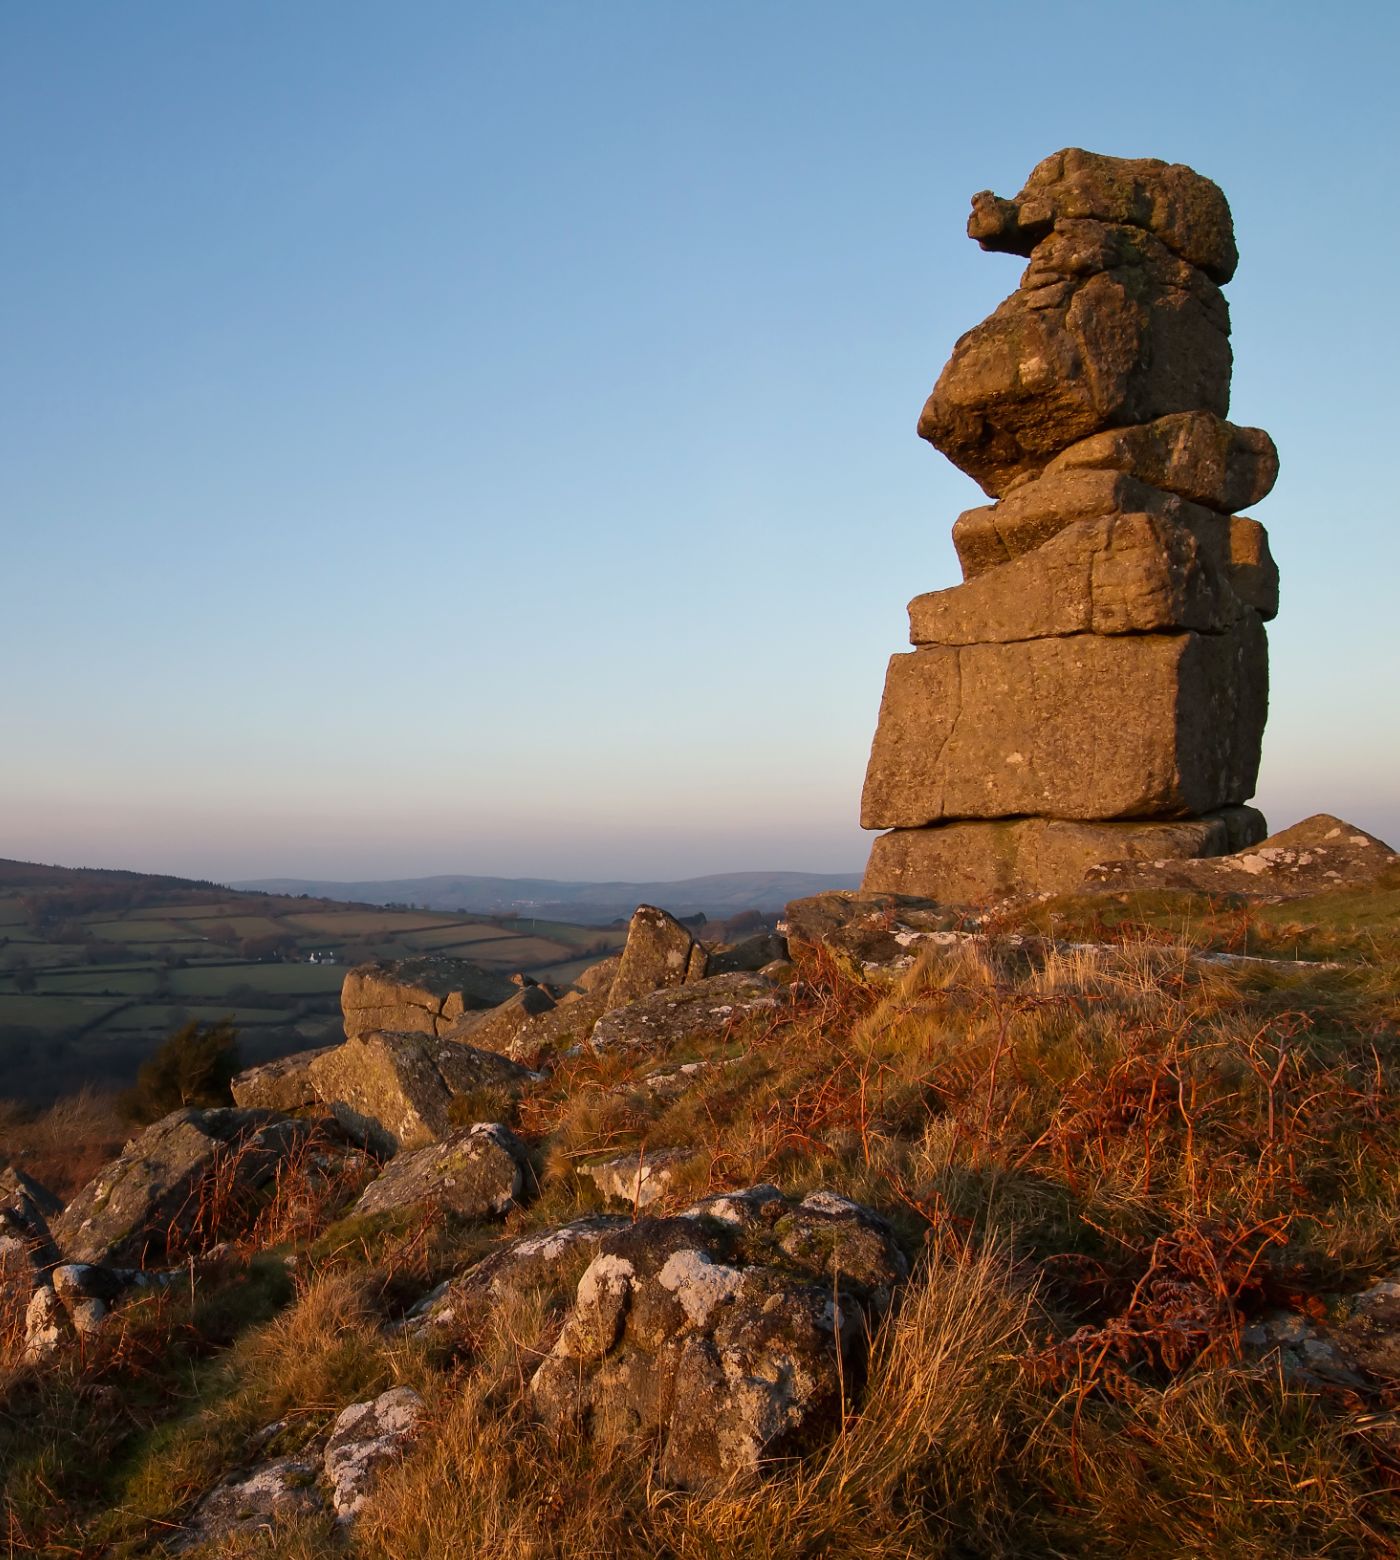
<point>719,894</point>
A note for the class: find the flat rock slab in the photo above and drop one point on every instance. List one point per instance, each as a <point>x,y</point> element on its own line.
<point>726,1333</point>
<point>476,1173</point>
<point>1318,854</point>
<point>1115,574</point>
<point>425,994</point>
<point>364,1440</point>
<point>975,863</point>
<point>284,1084</point>
<point>1086,727</point>
<point>126,1215</point>
<point>1196,455</point>
<point>395,1090</point>
<point>703,1011</point>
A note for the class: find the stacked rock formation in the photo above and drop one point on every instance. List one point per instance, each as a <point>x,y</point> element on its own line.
<point>1096,688</point>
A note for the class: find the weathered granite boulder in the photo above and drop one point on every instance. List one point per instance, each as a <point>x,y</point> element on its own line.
<point>284,1084</point>
<point>1141,726</point>
<point>1035,514</point>
<point>973,863</point>
<point>552,1261</point>
<point>567,1025</point>
<point>726,1335</point>
<point>1114,574</point>
<point>154,1196</point>
<point>1107,329</point>
<point>751,953</point>
<point>425,994</point>
<point>252,1502</point>
<point>636,1180</point>
<point>659,953</point>
<point>1188,213</point>
<point>1318,854</point>
<point>499,1028</point>
<point>1196,455</point>
<point>395,1090</point>
<point>701,1012</point>
<point>27,1250</point>
<point>365,1439</point>
<point>476,1173</point>
<point>599,976</point>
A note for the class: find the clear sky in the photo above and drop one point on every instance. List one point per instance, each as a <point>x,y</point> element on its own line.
<point>480,437</point>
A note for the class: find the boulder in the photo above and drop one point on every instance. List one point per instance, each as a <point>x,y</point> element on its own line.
<point>567,1025</point>
<point>552,1260</point>
<point>1319,854</point>
<point>252,1503</point>
<point>1115,574</point>
<point>752,953</point>
<point>1107,330</point>
<point>973,863</point>
<point>1196,455</point>
<point>284,1084</point>
<point>1035,514</point>
<point>1087,726</point>
<point>702,1012</point>
<point>636,1180</point>
<point>425,994</point>
<point>153,1197</point>
<point>1177,205</point>
<point>499,1028</point>
<point>659,953</point>
<point>365,1439</point>
<point>599,976</point>
<point>394,1090</point>
<point>476,1173</point>
<point>726,1335</point>
<point>27,1251</point>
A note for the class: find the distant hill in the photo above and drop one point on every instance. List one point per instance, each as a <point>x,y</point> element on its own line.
<point>721,894</point>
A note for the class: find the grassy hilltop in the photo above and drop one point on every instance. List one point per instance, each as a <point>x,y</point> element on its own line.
<point>1109,1155</point>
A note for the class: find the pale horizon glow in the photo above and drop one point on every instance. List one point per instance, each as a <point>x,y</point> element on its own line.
<point>480,439</point>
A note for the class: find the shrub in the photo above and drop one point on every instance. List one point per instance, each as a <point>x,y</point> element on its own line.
<point>193,1066</point>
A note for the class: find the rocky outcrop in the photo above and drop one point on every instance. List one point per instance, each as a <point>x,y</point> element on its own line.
<point>426,995</point>
<point>155,1195</point>
<point>284,1084</point>
<point>476,1173</point>
<point>728,1334</point>
<point>1099,681</point>
<point>499,1028</point>
<point>636,1181</point>
<point>251,1503</point>
<point>27,1251</point>
<point>394,1090</point>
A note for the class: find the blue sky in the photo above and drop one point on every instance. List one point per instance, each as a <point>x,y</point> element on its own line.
<point>480,437</point>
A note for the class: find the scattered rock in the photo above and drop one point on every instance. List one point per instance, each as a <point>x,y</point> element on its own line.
<point>476,1173</point>
<point>636,1180</point>
<point>153,1195</point>
<point>424,995</point>
<point>552,1261</point>
<point>727,1333</point>
<point>394,1090</point>
<point>701,1012</point>
<point>365,1439</point>
<point>253,1502</point>
<point>659,953</point>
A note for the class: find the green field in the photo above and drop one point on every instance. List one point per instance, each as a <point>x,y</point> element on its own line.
<point>97,968</point>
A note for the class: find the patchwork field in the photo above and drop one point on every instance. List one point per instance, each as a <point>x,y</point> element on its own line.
<point>96,968</point>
